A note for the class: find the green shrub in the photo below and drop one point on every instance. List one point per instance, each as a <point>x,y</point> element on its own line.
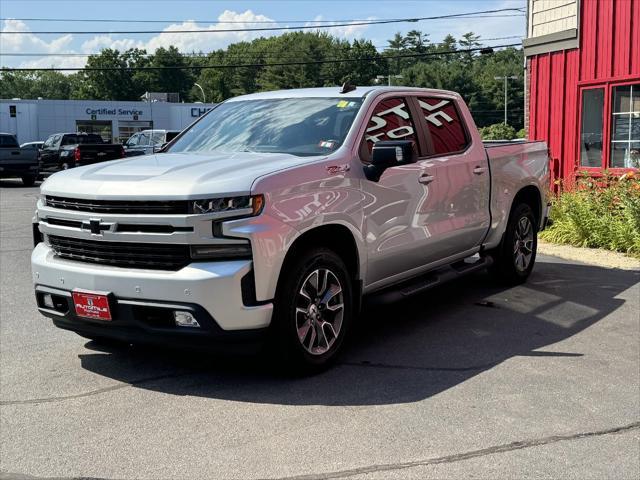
<point>522,133</point>
<point>598,213</point>
<point>498,131</point>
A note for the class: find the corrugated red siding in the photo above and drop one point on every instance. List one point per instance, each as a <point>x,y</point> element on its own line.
<point>609,51</point>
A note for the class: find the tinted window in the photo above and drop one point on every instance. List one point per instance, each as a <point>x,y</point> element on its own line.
<point>591,128</point>
<point>91,138</point>
<point>390,120</point>
<point>70,140</point>
<point>8,141</point>
<point>445,125</point>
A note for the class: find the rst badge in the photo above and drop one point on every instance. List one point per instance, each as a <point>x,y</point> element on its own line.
<point>336,169</point>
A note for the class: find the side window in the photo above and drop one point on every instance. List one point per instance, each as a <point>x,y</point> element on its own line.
<point>133,140</point>
<point>144,139</point>
<point>391,120</point>
<point>70,140</point>
<point>445,125</point>
<point>56,141</point>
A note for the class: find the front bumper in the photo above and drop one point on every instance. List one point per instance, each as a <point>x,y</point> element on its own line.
<point>212,290</point>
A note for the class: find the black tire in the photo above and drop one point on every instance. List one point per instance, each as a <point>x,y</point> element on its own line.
<point>514,258</point>
<point>28,180</point>
<point>299,355</point>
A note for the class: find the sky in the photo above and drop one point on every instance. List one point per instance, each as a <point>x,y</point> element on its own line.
<point>212,15</point>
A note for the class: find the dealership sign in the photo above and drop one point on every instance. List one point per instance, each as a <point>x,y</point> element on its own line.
<point>114,111</point>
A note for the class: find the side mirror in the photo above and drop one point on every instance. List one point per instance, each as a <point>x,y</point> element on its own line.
<point>387,154</point>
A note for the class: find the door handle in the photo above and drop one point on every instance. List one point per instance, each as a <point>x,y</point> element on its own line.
<point>426,179</point>
<point>479,170</point>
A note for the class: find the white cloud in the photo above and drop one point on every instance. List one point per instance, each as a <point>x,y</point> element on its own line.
<point>347,32</point>
<point>206,42</point>
<point>184,42</point>
<point>29,43</point>
<point>105,41</point>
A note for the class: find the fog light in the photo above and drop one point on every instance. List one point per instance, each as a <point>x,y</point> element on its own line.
<point>185,319</point>
<point>47,299</point>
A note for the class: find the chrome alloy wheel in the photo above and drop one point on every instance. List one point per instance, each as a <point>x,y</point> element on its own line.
<point>523,244</point>
<point>319,311</point>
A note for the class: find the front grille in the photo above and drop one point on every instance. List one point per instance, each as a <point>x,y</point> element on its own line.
<point>122,254</point>
<point>119,206</point>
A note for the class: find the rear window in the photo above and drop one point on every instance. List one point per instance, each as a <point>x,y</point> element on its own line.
<point>80,139</point>
<point>8,141</point>
<point>447,130</point>
<point>92,138</point>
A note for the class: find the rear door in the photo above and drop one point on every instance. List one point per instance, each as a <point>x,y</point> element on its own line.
<point>457,210</point>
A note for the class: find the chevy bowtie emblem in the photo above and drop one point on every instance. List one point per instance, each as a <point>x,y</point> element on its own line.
<point>95,226</point>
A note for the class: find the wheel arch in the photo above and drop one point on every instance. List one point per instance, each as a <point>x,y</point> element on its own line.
<point>334,236</point>
<point>532,196</point>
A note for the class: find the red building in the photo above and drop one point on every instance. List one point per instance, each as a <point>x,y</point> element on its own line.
<point>583,83</point>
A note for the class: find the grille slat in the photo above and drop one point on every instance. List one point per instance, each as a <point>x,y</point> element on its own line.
<point>166,207</point>
<point>122,254</point>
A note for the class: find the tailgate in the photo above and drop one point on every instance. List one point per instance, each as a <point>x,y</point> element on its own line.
<point>17,157</point>
<point>98,153</point>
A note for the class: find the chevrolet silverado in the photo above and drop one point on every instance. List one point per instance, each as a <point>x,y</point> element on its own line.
<point>273,216</point>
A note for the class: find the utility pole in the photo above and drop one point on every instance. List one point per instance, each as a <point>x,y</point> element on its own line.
<point>388,77</point>
<point>505,78</point>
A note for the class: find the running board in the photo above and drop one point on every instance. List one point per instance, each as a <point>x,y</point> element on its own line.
<point>426,282</point>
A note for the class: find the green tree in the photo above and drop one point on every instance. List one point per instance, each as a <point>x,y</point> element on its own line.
<point>113,82</point>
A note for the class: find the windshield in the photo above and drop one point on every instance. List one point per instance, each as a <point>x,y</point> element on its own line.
<point>298,126</point>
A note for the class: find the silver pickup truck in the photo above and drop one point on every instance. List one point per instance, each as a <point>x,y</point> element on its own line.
<point>276,213</point>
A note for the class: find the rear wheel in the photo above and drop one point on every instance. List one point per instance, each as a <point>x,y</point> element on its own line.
<point>28,180</point>
<point>515,257</point>
<point>313,311</point>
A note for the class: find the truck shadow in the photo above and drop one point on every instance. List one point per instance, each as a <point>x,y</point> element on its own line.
<point>403,352</point>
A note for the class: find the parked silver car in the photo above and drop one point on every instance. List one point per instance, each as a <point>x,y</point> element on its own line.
<point>276,213</point>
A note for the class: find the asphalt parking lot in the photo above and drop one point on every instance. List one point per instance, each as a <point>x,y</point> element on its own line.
<point>469,380</point>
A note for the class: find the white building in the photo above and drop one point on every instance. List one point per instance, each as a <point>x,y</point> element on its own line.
<point>33,120</point>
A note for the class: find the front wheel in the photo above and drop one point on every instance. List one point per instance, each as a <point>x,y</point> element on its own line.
<point>515,256</point>
<point>313,310</point>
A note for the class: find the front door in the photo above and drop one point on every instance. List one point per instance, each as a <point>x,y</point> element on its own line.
<point>396,236</point>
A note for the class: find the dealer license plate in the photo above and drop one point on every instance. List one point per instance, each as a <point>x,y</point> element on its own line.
<point>92,305</point>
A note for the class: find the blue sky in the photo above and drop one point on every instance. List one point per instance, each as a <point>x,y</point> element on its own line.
<point>208,14</point>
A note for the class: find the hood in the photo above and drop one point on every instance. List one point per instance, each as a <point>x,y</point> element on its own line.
<point>170,175</point>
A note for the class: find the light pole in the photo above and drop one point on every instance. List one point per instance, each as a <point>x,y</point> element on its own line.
<point>505,78</point>
<point>204,98</point>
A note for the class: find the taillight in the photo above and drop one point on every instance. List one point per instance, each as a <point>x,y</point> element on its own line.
<point>76,155</point>
<point>122,152</point>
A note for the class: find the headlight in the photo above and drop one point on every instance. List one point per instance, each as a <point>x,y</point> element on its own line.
<point>221,252</point>
<point>252,204</point>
